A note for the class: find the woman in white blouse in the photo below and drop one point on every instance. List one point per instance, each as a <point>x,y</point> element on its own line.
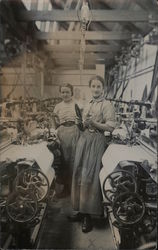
<point>68,132</point>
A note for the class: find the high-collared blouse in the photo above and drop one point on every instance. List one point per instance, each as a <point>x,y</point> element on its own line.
<point>65,111</point>
<point>100,110</point>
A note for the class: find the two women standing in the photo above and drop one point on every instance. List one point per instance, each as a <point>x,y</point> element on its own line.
<point>83,151</point>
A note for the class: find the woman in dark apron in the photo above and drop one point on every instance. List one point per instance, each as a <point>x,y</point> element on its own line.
<point>98,117</point>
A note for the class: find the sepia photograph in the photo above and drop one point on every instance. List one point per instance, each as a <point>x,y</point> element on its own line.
<point>78,124</point>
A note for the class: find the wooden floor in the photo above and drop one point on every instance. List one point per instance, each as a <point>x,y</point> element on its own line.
<point>58,233</point>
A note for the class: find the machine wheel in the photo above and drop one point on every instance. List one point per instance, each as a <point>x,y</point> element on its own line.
<point>33,181</point>
<point>21,208</point>
<point>118,182</point>
<point>128,208</point>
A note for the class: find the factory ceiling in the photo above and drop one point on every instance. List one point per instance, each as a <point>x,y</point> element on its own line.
<point>56,30</point>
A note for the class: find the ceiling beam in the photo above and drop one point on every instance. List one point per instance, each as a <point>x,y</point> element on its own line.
<point>87,56</point>
<point>74,16</point>
<point>76,35</point>
<point>61,68</point>
<point>76,48</point>
<point>74,73</point>
<point>87,61</point>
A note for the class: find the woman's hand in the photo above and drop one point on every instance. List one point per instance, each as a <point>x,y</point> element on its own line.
<point>88,122</point>
<point>79,123</point>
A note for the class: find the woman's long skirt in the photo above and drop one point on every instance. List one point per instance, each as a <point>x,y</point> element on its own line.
<point>68,137</point>
<point>86,191</point>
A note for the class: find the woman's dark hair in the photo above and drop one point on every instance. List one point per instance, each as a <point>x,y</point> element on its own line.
<point>67,85</point>
<point>99,78</point>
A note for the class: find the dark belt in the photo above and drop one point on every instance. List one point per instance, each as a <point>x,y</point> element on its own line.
<point>68,123</point>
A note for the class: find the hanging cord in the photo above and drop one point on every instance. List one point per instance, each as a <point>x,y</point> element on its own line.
<point>109,87</point>
<point>125,84</point>
<point>119,85</point>
<point>117,89</point>
<point>17,78</point>
<point>123,90</point>
<point>154,80</point>
<point>27,91</point>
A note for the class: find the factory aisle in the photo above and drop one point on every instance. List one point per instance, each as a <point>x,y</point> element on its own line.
<point>58,233</point>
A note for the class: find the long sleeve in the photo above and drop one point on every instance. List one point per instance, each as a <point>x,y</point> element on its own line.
<point>109,114</point>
